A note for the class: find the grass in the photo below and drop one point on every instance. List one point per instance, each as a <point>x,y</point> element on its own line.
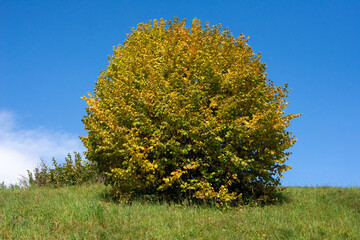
<point>83,212</point>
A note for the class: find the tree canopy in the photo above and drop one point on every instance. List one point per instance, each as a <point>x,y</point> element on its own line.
<point>188,112</point>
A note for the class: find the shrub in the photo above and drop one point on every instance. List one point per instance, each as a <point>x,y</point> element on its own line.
<point>72,172</point>
<point>188,113</point>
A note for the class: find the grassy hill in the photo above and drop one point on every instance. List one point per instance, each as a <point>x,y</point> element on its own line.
<point>83,212</point>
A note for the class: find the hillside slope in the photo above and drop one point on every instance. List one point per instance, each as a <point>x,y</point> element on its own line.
<point>84,213</point>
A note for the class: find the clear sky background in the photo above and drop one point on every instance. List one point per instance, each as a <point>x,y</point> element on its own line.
<point>51,53</point>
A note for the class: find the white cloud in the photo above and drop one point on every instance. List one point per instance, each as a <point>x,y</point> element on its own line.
<point>23,149</point>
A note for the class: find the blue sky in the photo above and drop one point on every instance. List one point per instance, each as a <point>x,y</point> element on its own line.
<point>51,53</point>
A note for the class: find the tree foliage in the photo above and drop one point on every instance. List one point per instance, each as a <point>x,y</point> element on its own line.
<point>187,112</point>
<point>74,171</point>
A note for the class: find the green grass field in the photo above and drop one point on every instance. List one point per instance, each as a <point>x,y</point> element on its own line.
<point>82,212</point>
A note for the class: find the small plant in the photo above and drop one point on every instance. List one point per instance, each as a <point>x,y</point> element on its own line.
<point>4,186</point>
<point>72,172</point>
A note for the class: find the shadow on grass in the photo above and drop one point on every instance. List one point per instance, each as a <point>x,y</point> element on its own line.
<point>151,199</point>
<point>107,195</point>
<point>282,197</point>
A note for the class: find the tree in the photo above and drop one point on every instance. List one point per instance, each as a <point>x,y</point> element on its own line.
<point>188,113</point>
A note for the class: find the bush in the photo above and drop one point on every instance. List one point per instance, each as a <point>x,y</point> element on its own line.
<point>188,113</point>
<point>72,172</point>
